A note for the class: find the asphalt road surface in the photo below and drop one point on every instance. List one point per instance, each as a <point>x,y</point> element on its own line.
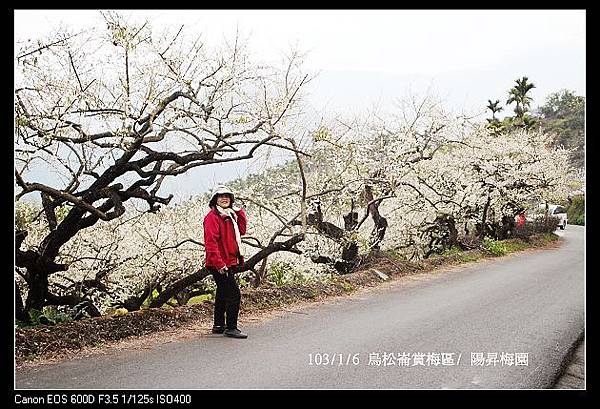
<point>503,323</point>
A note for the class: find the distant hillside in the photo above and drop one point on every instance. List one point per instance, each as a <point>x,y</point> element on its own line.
<point>563,115</point>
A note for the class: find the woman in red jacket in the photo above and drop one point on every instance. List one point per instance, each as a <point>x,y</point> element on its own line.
<point>223,227</point>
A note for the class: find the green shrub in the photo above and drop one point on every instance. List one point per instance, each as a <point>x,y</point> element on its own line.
<point>280,273</point>
<point>579,220</point>
<point>56,316</point>
<point>452,251</point>
<point>48,316</point>
<point>546,238</point>
<point>35,316</point>
<point>494,247</point>
<point>576,210</point>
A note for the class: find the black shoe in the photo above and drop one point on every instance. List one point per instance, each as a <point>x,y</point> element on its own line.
<point>234,333</point>
<point>218,329</point>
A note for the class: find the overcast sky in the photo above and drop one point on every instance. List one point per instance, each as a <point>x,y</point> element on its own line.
<point>364,57</point>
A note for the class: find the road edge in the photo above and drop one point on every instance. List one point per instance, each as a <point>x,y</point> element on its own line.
<point>567,361</point>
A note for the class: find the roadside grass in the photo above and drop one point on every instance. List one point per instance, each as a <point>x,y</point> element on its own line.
<point>200,299</point>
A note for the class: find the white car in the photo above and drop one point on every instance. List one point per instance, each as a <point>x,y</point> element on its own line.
<point>554,210</point>
<point>561,213</point>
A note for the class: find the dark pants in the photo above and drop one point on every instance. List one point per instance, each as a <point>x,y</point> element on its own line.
<point>227,299</point>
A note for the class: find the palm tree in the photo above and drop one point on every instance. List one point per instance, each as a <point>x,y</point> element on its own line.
<point>518,94</point>
<point>494,124</point>
<point>493,106</point>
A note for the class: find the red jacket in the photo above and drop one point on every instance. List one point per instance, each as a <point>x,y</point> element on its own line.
<point>521,220</point>
<point>219,238</point>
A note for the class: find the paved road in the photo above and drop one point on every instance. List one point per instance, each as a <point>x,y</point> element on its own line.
<point>522,304</point>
